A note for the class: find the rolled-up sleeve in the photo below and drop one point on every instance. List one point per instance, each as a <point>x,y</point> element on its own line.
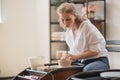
<point>94,42</point>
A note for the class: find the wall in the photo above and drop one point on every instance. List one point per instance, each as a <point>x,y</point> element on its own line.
<point>23,33</point>
<point>113,29</point>
<point>0,12</point>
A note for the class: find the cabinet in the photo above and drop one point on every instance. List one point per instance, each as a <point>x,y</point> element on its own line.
<point>57,42</point>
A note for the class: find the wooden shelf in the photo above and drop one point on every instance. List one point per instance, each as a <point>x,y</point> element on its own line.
<point>58,41</point>
<point>54,22</point>
<point>97,20</point>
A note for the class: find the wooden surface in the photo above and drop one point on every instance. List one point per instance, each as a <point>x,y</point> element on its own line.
<point>57,74</point>
<point>61,73</point>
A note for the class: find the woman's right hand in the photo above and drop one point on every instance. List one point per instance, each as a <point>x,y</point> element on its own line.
<point>72,57</point>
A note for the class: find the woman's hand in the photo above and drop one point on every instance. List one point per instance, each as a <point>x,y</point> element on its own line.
<point>72,57</point>
<point>85,54</point>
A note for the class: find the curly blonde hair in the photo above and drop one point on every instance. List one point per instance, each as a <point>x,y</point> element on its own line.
<point>69,8</point>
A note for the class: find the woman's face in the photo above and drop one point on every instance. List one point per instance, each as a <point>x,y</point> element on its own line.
<point>67,19</point>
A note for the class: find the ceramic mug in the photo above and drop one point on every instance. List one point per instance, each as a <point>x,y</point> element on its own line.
<point>61,53</point>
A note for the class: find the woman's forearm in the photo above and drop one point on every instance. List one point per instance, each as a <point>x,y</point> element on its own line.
<point>86,54</point>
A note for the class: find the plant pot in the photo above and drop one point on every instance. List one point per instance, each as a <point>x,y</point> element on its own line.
<point>91,15</point>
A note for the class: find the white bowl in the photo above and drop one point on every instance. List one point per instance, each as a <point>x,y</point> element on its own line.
<point>64,62</point>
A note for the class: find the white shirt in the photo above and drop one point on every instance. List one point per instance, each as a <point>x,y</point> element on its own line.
<point>87,38</point>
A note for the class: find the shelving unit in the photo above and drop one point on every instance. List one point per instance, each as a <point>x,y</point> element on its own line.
<point>57,44</point>
<point>56,33</point>
<point>98,22</point>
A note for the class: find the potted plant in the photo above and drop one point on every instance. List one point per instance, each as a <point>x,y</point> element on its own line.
<point>58,2</point>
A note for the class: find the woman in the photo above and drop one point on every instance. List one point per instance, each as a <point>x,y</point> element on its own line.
<point>86,43</point>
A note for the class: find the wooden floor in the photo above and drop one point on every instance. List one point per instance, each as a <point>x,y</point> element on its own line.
<point>11,78</point>
<point>7,79</point>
